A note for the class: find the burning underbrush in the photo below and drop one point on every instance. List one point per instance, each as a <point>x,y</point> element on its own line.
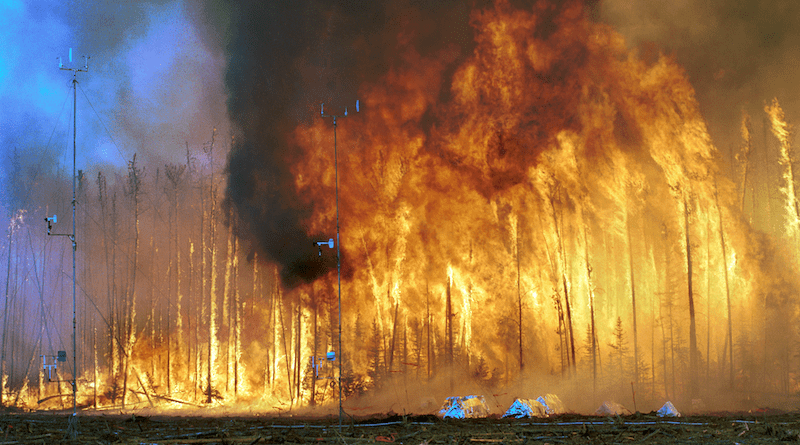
<point>537,210</point>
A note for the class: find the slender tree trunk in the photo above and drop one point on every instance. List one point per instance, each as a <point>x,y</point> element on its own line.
<point>394,337</point>
<point>212,295</point>
<point>237,321</point>
<point>449,330</point>
<point>593,329</point>
<point>429,353</point>
<point>5,316</point>
<point>708,298</point>
<point>559,232</point>
<point>286,350</point>
<point>745,158</point>
<point>692,322</point>
<point>727,287</point>
<point>153,332</point>
<point>134,186</point>
<point>519,299</point>
<point>190,376</point>
<point>212,302</point>
<point>227,313</point>
<point>170,272</point>
<point>314,352</point>
<point>115,312</point>
<point>298,345</point>
<point>633,301</point>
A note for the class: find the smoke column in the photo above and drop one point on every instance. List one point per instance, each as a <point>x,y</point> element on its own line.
<point>285,58</point>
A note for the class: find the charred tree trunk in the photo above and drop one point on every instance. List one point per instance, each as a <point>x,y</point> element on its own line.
<point>633,301</point>
<point>558,228</point>
<point>290,387</point>
<point>570,336</point>
<point>394,338</point>
<point>174,173</point>
<point>692,321</point>
<point>727,286</point>
<point>237,321</point>
<point>592,326</point>
<point>298,343</point>
<point>744,159</point>
<point>449,330</point>
<point>212,300</point>
<point>134,186</point>
<point>190,375</point>
<point>228,308</point>
<point>314,352</point>
<point>5,315</point>
<point>519,301</point>
<point>429,352</point>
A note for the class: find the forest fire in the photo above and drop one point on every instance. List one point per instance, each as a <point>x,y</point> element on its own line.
<point>544,213</point>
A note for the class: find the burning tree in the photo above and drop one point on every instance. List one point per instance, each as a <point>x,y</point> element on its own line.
<point>495,199</point>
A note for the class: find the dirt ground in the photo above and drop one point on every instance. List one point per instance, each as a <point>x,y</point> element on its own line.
<point>52,428</point>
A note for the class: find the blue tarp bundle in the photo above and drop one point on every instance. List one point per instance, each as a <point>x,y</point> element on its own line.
<point>668,410</point>
<point>522,408</point>
<point>543,406</point>
<point>467,407</point>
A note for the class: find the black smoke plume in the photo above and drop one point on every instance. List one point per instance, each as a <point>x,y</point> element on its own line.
<point>284,59</point>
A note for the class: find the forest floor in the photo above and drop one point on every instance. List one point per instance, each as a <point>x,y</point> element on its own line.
<point>98,429</point>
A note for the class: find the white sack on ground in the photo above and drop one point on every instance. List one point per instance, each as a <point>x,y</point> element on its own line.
<point>612,409</point>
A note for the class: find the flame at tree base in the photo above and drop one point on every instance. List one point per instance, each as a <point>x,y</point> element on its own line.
<point>543,214</point>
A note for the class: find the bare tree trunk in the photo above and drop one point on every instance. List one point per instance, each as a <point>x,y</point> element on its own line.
<point>708,298</point>
<point>692,322</point>
<point>212,303</point>
<point>314,352</point>
<point>212,295</point>
<point>449,330</point>
<point>286,350</point>
<point>115,312</point>
<point>727,286</point>
<point>592,329</point>
<point>633,301</point>
<point>429,352</point>
<point>226,310</point>
<point>134,187</point>
<point>298,343</point>
<point>519,299</point>
<point>5,315</point>
<point>570,338</point>
<point>394,337</point>
<point>744,159</point>
<point>191,345</point>
<point>152,316</point>
<point>237,321</point>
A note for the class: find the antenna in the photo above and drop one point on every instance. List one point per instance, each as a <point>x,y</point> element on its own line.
<point>72,429</point>
<point>338,249</point>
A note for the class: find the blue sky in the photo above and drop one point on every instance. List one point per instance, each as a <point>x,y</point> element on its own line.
<point>155,82</point>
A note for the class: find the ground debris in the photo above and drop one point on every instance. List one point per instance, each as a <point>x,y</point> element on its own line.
<point>45,428</point>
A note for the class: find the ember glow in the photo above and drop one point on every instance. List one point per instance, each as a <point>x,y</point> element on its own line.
<point>538,211</point>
